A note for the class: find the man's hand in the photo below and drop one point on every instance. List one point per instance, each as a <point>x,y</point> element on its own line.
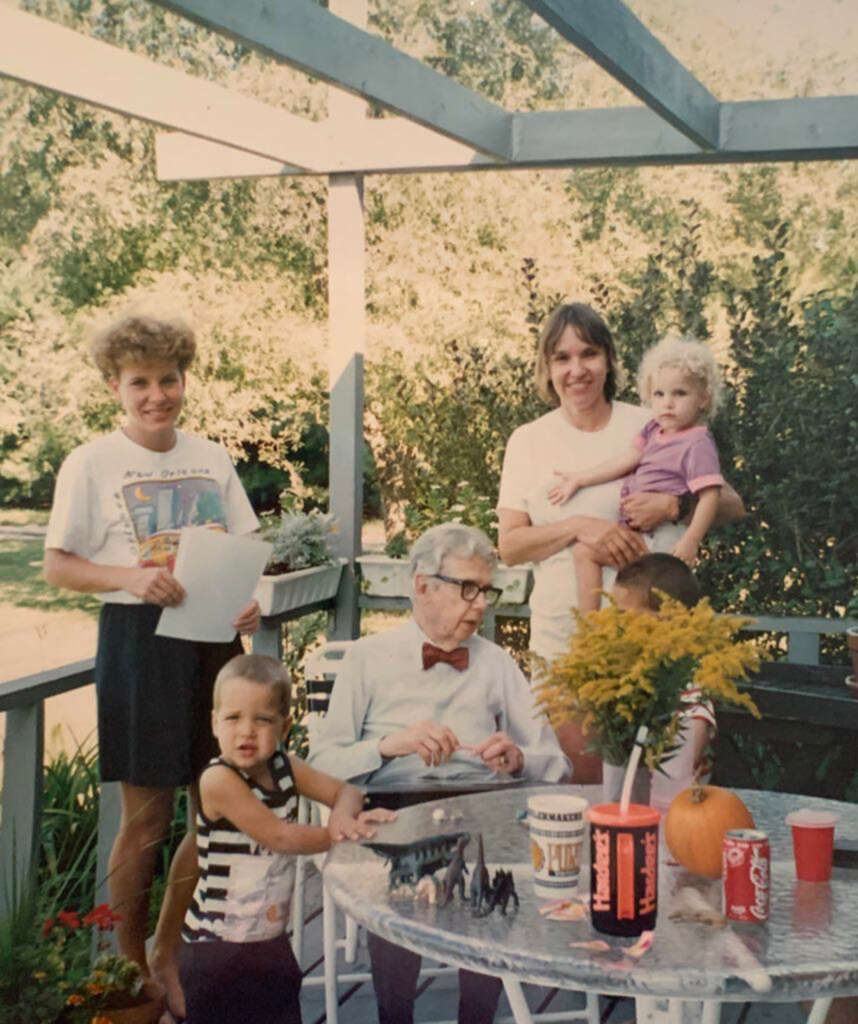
<point>343,826</point>
<point>645,511</point>
<point>613,544</point>
<point>499,753</point>
<point>433,743</point>
<point>563,488</point>
<point>155,586</point>
<point>247,621</point>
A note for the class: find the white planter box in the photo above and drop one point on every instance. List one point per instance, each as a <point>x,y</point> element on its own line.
<point>382,576</point>
<point>291,590</point>
<point>516,581</point>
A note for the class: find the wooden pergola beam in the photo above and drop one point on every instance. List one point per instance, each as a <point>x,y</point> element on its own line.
<point>610,34</point>
<point>306,36</point>
<point>40,52</point>
<point>758,131</point>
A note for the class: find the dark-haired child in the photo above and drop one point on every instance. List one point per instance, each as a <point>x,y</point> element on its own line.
<point>637,588</point>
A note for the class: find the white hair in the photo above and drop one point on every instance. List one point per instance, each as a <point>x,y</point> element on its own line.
<point>689,355</point>
<point>440,542</point>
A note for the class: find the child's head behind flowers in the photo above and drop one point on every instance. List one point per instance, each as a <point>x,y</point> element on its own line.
<point>250,717</point>
<point>640,584</point>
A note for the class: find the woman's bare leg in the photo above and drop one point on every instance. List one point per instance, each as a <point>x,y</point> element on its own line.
<point>588,578</point>
<point>146,815</point>
<point>181,881</point>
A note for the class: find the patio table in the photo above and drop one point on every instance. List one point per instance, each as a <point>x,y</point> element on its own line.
<point>808,949</point>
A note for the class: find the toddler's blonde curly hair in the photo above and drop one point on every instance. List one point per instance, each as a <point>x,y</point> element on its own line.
<point>689,355</point>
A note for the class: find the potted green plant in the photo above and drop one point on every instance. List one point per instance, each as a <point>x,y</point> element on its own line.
<point>302,569</point>
<point>387,575</point>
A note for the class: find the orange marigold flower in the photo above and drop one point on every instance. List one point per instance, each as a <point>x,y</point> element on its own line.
<point>100,1020</point>
<point>75,999</point>
<point>94,989</point>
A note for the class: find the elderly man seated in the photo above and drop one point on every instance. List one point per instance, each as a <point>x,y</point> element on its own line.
<point>431,700</point>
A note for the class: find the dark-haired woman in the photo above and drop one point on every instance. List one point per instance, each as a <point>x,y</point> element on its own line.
<point>577,372</point>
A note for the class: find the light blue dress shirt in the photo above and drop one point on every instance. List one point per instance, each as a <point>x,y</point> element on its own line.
<point>382,687</point>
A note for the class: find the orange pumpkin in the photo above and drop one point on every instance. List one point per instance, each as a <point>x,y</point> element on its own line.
<point>695,825</point>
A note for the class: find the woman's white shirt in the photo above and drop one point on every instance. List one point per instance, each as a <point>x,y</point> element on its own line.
<point>533,454</point>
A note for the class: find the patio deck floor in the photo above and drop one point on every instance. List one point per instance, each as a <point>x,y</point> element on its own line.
<point>438,998</point>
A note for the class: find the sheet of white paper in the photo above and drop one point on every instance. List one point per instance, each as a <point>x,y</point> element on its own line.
<point>219,572</point>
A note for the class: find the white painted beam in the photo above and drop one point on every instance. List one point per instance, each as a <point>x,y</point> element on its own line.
<point>824,128</point>
<point>609,33</point>
<point>40,52</point>
<point>303,34</point>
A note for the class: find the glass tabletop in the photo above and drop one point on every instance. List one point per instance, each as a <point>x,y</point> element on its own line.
<point>808,948</point>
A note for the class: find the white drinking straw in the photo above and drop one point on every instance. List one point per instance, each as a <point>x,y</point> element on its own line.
<point>631,768</point>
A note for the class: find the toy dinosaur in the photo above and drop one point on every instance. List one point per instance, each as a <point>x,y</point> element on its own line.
<point>409,862</point>
<point>456,871</point>
<point>480,885</point>
<point>502,890</point>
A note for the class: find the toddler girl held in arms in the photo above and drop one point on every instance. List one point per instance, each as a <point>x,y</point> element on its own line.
<point>673,454</point>
<point>236,962</point>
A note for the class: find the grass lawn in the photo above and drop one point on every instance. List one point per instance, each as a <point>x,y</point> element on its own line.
<point>24,516</point>
<point>21,581</point>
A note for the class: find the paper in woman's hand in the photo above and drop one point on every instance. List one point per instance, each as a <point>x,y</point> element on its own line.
<point>219,572</point>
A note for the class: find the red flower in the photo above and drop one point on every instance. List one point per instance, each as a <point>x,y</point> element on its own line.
<point>102,917</point>
<point>47,927</point>
<point>69,918</point>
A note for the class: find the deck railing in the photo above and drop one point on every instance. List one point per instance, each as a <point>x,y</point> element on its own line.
<point>23,702</point>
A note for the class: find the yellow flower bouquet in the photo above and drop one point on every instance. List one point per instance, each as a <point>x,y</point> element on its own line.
<point>625,669</point>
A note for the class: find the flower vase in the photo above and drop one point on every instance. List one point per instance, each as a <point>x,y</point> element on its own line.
<point>144,1013</point>
<point>612,783</point>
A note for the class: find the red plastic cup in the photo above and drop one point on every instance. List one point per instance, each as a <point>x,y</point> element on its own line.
<point>812,843</point>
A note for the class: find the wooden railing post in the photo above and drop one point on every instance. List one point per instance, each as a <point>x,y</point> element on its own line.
<point>23,753</point>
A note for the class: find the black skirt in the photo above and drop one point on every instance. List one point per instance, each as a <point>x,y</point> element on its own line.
<point>154,698</point>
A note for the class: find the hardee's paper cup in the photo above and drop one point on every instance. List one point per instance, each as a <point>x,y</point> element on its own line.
<point>557,823</point>
<point>623,869</point>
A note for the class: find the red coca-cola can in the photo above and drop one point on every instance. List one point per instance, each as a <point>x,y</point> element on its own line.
<point>746,861</point>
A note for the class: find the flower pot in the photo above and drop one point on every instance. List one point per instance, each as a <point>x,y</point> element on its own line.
<point>382,576</point>
<point>290,590</point>
<point>612,784</point>
<point>516,581</point>
<point>852,642</point>
<point>145,1013</point>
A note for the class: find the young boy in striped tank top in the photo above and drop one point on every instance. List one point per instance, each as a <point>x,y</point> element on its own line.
<point>236,963</point>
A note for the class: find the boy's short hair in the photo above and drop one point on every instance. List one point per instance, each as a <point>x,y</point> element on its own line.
<point>660,571</point>
<point>257,668</point>
<point>139,340</point>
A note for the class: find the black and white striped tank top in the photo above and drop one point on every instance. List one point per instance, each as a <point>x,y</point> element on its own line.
<point>244,890</point>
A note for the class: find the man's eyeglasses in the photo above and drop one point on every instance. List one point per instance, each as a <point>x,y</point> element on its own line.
<point>470,589</point>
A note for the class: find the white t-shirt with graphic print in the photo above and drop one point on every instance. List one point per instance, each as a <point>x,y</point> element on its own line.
<point>118,503</point>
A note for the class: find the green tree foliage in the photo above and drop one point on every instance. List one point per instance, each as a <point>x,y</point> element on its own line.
<point>438,429</point>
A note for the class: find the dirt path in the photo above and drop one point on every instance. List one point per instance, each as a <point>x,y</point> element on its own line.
<point>31,641</point>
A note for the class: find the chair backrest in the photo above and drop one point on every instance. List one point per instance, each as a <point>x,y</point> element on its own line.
<point>320,673</point>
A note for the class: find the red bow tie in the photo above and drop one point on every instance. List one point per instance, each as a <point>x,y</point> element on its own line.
<point>432,655</point>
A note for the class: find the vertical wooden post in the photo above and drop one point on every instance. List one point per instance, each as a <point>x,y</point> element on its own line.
<point>23,754</point>
<point>109,814</point>
<point>346,323</point>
